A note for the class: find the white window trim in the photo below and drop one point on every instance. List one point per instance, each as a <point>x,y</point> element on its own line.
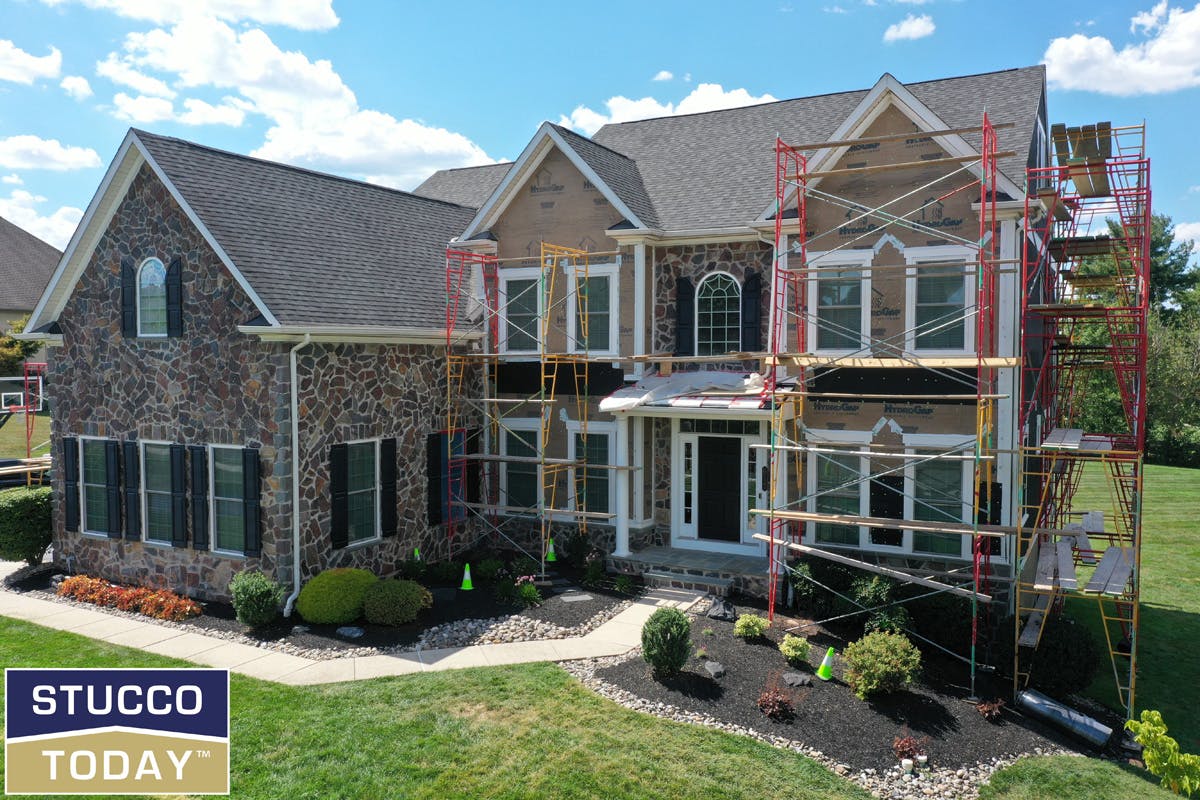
<point>519,274</point>
<point>83,487</point>
<point>916,257</point>
<point>851,260</point>
<point>608,429</point>
<point>524,425</point>
<point>378,535</point>
<point>938,442</point>
<point>142,490</point>
<point>689,531</point>
<point>696,319</point>
<point>612,271</point>
<point>840,438</point>
<point>212,502</point>
<point>137,281</point>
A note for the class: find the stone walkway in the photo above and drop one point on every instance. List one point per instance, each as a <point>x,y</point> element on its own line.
<point>617,636</point>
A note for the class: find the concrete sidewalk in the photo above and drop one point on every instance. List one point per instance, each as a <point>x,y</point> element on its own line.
<point>617,636</point>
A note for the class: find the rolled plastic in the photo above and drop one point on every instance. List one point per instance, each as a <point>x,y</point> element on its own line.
<point>1052,711</point>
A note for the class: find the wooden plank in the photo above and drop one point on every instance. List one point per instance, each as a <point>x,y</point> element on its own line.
<point>1113,573</point>
<point>829,173</point>
<point>876,568</point>
<point>992,531</point>
<point>533,512</point>
<point>935,362</point>
<point>896,137</point>
<point>1066,565</point>
<point>1033,625</point>
<point>1063,439</point>
<point>1062,149</point>
<point>1053,203</point>
<point>1081,542</point>
<point>1104,139</point>
<point>1044,580</point>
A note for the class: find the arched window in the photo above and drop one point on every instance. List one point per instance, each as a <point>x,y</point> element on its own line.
<point>152,298</point>
<point>718,315</point>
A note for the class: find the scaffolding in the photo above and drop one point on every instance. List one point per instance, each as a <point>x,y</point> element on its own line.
<point>474,392</point>
<point>1086,298</point>
<point>28,401</point>
<point>799,277</point>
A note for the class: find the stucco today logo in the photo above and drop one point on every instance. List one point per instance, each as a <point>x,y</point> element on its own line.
<point>116,731</point>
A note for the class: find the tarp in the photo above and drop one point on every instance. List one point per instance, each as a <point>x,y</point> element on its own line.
<point>707,389</point>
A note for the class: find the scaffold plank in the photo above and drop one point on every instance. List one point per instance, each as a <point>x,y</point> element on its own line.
<point>534,512</point>
<point>927,362</point>
<point>1116,567</point>
<point>1033,625</point>
<point>1066,565</point>
<point>992,531</point>
<point>1063,439</point>
<point>1047,560</point>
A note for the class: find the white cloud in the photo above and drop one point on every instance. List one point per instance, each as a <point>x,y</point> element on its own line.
<point>142,109</point>
<point>1194,189</point>
<point>122,71</point>
<point>1166,61</point>
<point>705,97</point>
<point>834,10</point>
<point>12,180</point>
<point>912,2</point>
<point>911,27</point>
<point>30,152</point>
<point>20,208</point>
<point>230,111</point>
<point>663,75</point>
<point>18,66</point>
<point>309,15</point>
<point>77,87</point>
<point>1187,231</point>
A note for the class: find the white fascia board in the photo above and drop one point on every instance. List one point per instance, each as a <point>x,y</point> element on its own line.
<point>207,234</point>
<point>684,236</point>
<point>99,211</point>
<point>591,175</point>
<point>48,339</point>
<point>356,333</point>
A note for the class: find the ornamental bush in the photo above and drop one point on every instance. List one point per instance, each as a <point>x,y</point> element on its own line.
<point>335,596</point>
<point>881,662</point>
<point>794,649</point>
<point>750,626</point>
<point>1178,771</point>
<point>157,603</point>
<point>256,598</point>
<point>24,523</point>
<point>395,601</point>
<point>666,641</point>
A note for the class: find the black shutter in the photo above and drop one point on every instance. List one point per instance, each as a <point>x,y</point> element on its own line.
<point>991,507</point>
<point>685,317</point>
<point>70,453</point>
<point>339,522</point>
<point>112,486</point>
<point>178,496</point>
<point>128,299</point>
<point>175,298</point>
<point>752,312</point>
<point>199,466</point>
<point>387,488</point>
<point>435,452</point>
<point>133,492</point>
<point>251,510</point>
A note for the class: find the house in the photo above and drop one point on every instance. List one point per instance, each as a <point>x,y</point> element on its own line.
<point>26,263</point>
<point>254,364</point>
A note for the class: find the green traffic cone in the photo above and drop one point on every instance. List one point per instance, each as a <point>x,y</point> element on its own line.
<point>825,671</point>
<point>466,584</point>
<point>550,553</point>
<point>416,554</point>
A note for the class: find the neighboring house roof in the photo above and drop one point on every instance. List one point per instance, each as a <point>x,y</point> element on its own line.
<point>26,263</point>
<point>466,186</point>
<point>717,168</point>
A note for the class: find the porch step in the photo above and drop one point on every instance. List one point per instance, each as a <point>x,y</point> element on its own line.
<point>659,578</point>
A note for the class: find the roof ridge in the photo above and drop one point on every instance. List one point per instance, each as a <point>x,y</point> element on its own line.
<point>476,166</point>
<point>810,97</point>
<point>293,168</point>
<point>590,140</point>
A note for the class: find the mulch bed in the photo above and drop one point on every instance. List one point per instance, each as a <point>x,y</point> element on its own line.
<point>451,604</point>
<point>829,718</point>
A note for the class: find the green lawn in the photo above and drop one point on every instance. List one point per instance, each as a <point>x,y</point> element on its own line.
<point>505,732</point>
<point>12,436</point>
<point>1061,777</point>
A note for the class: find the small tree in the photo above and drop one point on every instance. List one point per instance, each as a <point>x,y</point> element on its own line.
<point>14,352</point>
<point>666,641</point>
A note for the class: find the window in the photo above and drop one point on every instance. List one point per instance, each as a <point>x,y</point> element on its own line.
<point>940,305</point>
<point>938,496</point>
<point>597,331</point>
<point>839,492</point>
<point>718,315</point>
<point>688,478</point>
<point>592,487</point>
<point>94,480</point>
<point>152,298</point>
<point>839,310</point>
<point>362,491</point>
<point>228,499</point>
<point>522,308</point>
<point>521,486</point>
<point>156,492</point>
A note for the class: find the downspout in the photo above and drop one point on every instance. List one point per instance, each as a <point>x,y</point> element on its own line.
<point>295,392</point>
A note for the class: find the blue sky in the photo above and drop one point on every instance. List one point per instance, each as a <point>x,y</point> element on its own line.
<point>390,91</point>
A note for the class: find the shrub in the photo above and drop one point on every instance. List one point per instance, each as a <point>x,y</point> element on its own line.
<point>624,585</point>
<point>488,569</point>
<point>990,709</point>
<point>444,572</point>
<point>879,663</point>
<point>163,604</point>
<point>256,598</point>
<point>908,746</point>
<point>395,601</point>
<point>803,589</point>
<point>1179,772</point>
<point>157,603</point>
<point>528,593</point>
<point>334,596</point>
<point>750,626</point>
<point>1066,659</point>
<point>506,591</point>
<point>891,620</point>
<point>776,704</point>
<point>794,649</point>
<point>525,565</point>
<point>593,572</point>
<point>666,641</point>
<point>24,523</point>
<point>412,569</point>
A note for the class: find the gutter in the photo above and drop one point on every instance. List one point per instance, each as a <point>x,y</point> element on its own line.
<point>295,399</point>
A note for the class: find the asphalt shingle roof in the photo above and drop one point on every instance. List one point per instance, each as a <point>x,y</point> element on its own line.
<point>619,172</point>
<point>466,186</point>
<point>319,249</point>
<point>26,264</point>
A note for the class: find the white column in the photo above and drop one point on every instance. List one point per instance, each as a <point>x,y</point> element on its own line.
<point>622,476</point>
